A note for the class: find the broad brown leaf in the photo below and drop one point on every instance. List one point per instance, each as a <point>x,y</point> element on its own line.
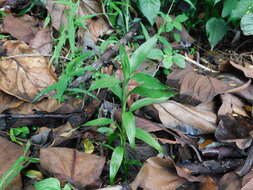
<point>24,76</point>
<point>230,181</point>
<point>69,165</point>
<point>199,87</point>
<point>189,119</point>
<point>42,41</point>
<point>246,68</point>
<point>8,102</point>
<point>10,152</point>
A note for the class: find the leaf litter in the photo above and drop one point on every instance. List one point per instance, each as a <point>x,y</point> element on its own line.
<point>205,130</point>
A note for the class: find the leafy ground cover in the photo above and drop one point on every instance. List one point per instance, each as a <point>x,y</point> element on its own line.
<point>134,94</point>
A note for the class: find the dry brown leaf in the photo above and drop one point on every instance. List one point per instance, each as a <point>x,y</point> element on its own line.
<point>195,120</point>
<point>158,174</point>
<point>231,104</point>
<point>247,181</point>
<point>24,76</point>
<point>42,41</point>
<point>23,28</point>
<point>69,165</point>
<point>10,152</point>
<point>96,26</point>
<point>199,87</point>
<point>246,68</point>
<point>8,102</point>
<point>230,181</point>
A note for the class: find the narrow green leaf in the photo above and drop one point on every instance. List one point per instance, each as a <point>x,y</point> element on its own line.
<point>152,92</point>
<point>124,61</point>
<point>99,122</point>
<point>105,130</point>
<point>67,187</point>
<point>190,3</point>
<point>150,9</point>
<point>148,81</point>
<point>128,122</point>
<point>147,138</point>
<point>145,102</point>
<point>49,183</point>
<point>116,160</point>
<point>216,30</point>
<point>104,82</point>
<point>141,53</point>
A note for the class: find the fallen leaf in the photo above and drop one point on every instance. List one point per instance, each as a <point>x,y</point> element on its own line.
<point>157,174</point>
<point>42,41</point>
<point>236,129</point>
<point>69,165</point>
<point>246,68</point>
<point>247,181</point>
<point>199,87</point>
<point>8,102</point>
<point>23,28</point>
<point>232,104</point>
<point>230,181</point>
<point>10,152</point>
<point>24,77</point>
<point>195,120</point>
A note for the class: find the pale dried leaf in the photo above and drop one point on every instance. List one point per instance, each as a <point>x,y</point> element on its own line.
<point>42,41</point>
<point>23,28</point>
<point>10,152</point>
<point>70,165</point>
<point>24,76</point>
<point>8,102</point>
<point>195,120</point>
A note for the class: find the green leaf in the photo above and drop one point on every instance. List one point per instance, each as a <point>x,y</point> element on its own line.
<point>177,36</point>
<point>177,25</point>
<point>243,6</point>
<point>105,130</point>
<point>49,184</point>
<point>146,80</point>
<point>124,62</point>
<point>116,161</point>
<point>147,138</point>
<point>145,32</point>
<point>151,92</point>
<point>99,122</point>
<point>168,61</point>
<point>117,90</point>
<point>104,82</point>
<point>142,53</point>
<point>216,1</point>
<point>145,102</point>
<point>179,60</point>
<point>150,9</point>
<point>155,54</point>
<point>169,27</point>
<point>181,18</point>
<point>247,24</point>
<point>190,3</point>
<point>228,6</point>
<point>216,30</point>
<point>67,187</point>
<point>128,123</point>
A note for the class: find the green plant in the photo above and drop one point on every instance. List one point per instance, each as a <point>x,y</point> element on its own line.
<point>21,132</point>
<point>21,163</point>
<point>51,184</point>
<point>149,87</point>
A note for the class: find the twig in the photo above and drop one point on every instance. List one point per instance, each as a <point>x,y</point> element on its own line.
<point>199,65</point>
<point>34,116</point>
<point>109,54</point>
<point>33,55</point>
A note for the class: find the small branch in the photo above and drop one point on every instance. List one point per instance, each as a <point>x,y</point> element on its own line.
<point>199,65</point>
<point>34,116</point>
<point>33,55</point>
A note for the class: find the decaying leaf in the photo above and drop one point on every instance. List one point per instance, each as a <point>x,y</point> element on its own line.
<point>230,181</point>
<point>236,129</point>
<point>232,104</point>
<point>158,174</point>
<point>189,119</point>
<point>69,165</point>
<point>247,181</point>
<point>199,87</point>
<point>246,68</point>
<point>10,152</point>
<point>23,28</point>
<point>24,76</point>
<point>8,102</point>
<point>96,26</point>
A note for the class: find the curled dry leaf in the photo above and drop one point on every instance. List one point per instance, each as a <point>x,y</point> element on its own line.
<point>232,104</point>
<point>10,152</point>
<point>246,68</point>
<point>199,87</point>
<point>69,165</point>
<point>195,120</point>
<point>23,77</point>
